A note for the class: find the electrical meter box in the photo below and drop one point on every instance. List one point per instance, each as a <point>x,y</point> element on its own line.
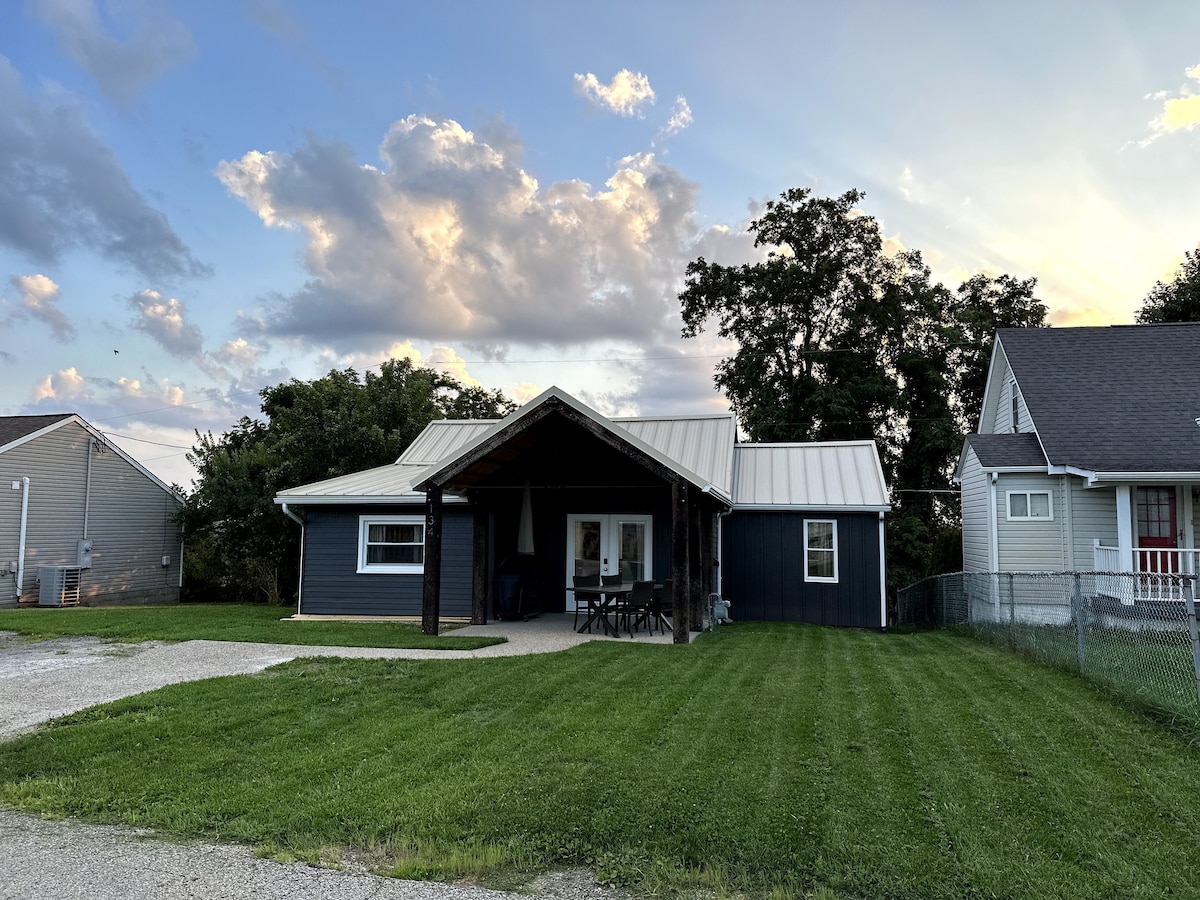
<point>84,559</point>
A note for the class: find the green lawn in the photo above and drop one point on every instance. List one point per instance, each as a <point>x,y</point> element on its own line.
<point>223,622</point>
<point>783,760</point>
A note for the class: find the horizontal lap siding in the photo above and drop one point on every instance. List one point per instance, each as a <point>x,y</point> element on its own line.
<point>976,527</point>
<point>762,569</point>
<point>1094,516</point>
<point>331,584</point>
<point>130,521</point>
<point>1030,546</point>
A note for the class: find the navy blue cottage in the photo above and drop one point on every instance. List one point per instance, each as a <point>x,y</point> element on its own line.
<point>785,532</point>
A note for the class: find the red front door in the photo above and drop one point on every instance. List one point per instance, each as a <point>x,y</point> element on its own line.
<point>1157,530</point>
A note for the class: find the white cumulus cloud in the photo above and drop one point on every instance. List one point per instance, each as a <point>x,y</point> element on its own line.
<point>65,385</point>
<point>1180,110</point>
<point>165,321</point>
<point>681,118</point>
<point>39,300</point>
<point>625,95</point>
<point>449,239</point>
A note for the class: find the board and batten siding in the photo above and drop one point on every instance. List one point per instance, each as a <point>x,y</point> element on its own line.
<point>976,522</point>
<point>130,520</point>
<point>1031,546</point>
<point>763,569</point>
<point>333,586</point>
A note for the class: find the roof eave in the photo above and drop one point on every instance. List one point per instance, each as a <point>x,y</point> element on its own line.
<point>1141,477</point>
<point>359,499</point>
<point>813,507</point>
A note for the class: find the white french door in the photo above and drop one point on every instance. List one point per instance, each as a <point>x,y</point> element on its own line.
<point>612,544</point>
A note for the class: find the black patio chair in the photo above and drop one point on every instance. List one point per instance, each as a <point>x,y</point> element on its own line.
<point>662,606</point>
<point>586,600</point>
<point>640,606</point>
<point>615,603</point>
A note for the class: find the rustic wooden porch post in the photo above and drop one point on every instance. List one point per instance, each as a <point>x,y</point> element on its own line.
<point>479,552</point>
<point>680,589</point>
<point>695,557</point>
<point>431,596</point>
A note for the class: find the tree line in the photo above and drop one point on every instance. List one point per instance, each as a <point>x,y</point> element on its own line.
<point>240,546</point>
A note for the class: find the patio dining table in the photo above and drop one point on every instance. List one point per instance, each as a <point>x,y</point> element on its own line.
<point>608,601</point>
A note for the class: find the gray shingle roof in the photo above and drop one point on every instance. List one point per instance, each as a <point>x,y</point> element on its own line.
<point>1119,399</point>
<point>13,428</point>
<point>1000,451</point>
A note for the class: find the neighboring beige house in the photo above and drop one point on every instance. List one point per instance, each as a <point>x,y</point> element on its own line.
<point>78,511</point>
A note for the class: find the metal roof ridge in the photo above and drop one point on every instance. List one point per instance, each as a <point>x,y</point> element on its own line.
<point>867,442</point>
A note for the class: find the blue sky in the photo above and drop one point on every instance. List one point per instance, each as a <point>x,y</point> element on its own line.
<point>232,194</point>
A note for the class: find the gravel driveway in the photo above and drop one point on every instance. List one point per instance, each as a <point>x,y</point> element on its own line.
<point>68,859</point>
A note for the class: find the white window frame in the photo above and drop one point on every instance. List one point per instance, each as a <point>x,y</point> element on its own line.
<point>364,529</point>
<point>808,576</point>
<point>1028,495</point>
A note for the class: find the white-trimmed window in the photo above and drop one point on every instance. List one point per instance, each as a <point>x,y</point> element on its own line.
<point>1029,506</point>
<point>391,545</point>
<point>820,550</point>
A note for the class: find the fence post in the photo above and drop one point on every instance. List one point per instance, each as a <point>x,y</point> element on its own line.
<point>1012,600</point>
<point>1189,605</point>
<point>1081,624</point>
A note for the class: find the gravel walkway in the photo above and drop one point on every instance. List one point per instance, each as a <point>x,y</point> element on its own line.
<point>63,860</point>
<point>68,859</point>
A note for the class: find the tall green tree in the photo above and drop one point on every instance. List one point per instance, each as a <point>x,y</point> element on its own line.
<point>804,319</point>
<point>982,305</point>
<point>835,340</point>
<point>1178,301</point>
<point>241,544</point>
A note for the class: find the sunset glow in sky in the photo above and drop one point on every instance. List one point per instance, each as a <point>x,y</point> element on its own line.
<point>200,199</point>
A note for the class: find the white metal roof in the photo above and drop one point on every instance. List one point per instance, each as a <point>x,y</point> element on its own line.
<point>583,409</point>
<point>442,439</point>
<point>383,484</point>
<point>702,444</point>
<point>839,474</point>
<point>790,476</point>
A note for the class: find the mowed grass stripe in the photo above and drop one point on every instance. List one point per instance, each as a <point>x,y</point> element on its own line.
<point>760,759</point>
<point>253,622</point>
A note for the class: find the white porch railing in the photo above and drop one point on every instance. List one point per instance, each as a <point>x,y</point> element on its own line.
<point>1158,572</point>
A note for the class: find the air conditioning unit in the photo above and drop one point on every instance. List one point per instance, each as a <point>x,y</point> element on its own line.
<point>59,585</point>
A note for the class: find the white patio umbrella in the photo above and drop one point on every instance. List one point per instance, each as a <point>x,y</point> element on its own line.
<point>525,531</point>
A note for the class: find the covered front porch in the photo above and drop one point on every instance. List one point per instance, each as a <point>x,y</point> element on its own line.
<point>557,493</point>
<point>1156,542</point>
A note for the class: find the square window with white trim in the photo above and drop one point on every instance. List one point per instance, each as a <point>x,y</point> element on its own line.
<point>820,550</point>
<point>391,545</point>
<point>1029,506</point>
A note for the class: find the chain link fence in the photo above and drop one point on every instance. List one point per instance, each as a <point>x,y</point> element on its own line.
<point>1135,634</point>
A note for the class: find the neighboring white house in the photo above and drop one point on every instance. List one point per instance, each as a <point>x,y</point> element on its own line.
<point>1088,455</point>
<point>75,508</point>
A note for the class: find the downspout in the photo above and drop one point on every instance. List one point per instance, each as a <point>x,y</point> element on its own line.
<point>993,526</point>
<point>87,487</point>
<point>24,524</point>
<point>299,587</point>
<point>882,579</point>
<point>721,549</point>
<point>994,541</point>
